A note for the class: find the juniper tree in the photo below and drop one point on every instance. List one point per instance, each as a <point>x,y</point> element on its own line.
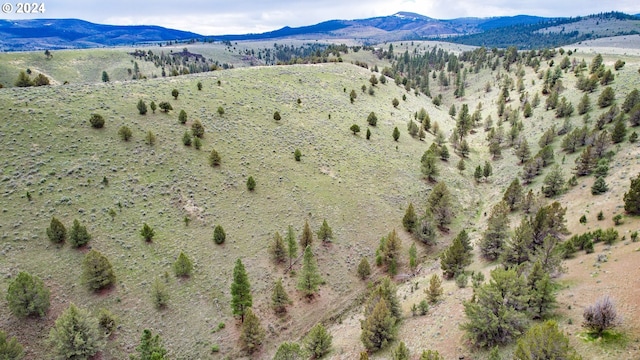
<point>97,272</point>
<point>150,138</point>
<point>214,158</point>
<point>183,265</point>
<point>401,352</point>
<point>632,197</point>
<point>142,107</point>
<point>428,165</point>
<point>289,351</point>
<point>27,296</point>
<point>306,239</point>
<point>364,269</point>
<point>434,291</point>
<point>309,277</point>
<point>544,341</point>
<point>78,236</point>
<point>297,154</point>
<point>175,93</point>
<point>186,139</point>
<point>147,233</point>
<point>553,182</point>
<point>159,293</point>
<point>413,257</point>
<point>219,236</point>
<point>153,106</point>
<point>292,245</point>
<point>492,242</point>
<point>241,299</point>
<point>390,252</point>
<point>251,183</point>
<point>518,249</point>
<point>396,133</point>
<point>197,129</point>
<point>513,195</point>
<point>410,219</point>
<point>439,204</point>
<point>56,232</point>
<point>164,106</point>
<point>355,129</point>
<point>150,347</point>
<point>378,328</point>
<point>599,186</point>
<point>276,116</point>
<point>541,291</point>
<point>454,259</point>
<point>10,348</point>
<point>75,335</point>
<point>182,117</point>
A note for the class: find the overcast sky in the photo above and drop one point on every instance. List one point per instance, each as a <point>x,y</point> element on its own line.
<point>216,17</point>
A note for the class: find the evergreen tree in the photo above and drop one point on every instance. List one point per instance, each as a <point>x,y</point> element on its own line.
<point>241,299</point>
<point>497,315</point>
<point>439,204</point>
<point>410,219</point>
<point>513,195</point>
<point>276,116</point>
<point>251,183</point>
<point>150,138</point>
<point>153,106</point>
<point>477,174</point>
<point>368,134</point>
<point>545,341</point>
<point>401,352</point>
<point>318,341</point>
<point>289,351</point>
<point>292,246</point>
<point>599,186</point>
<point>279,298</point>
<point>431,355</point>
<point>492,243</point>
<point>619,132</point>
<point>147,232</point>
<point>297,154</point>
<point>159,293</point>
<point>390,252</point>
<point>372,119</point>
<point>413,257</point>
<point>325,233</point>
<point>607,97</point>
<point>306,239</point>
<point>23,80</point>
<point>164,106</point>
<point>584,105</point>
<point>460,165</point>
<point>355,129</point>
<point>434,291</point>
<point>125,133</point>
<point>364,269</point>
<point>428,165</point>
<point>150,347</point>
<point>454,259</point>
<point>183,265</point>
<point>10,348</point>
<point>632,197</point>
<point>517,249</point>
<point>310,278</point>
<point>396,133</point>
<point>487,170</point>
<point>105,76</point>
<point>541,292</point>
<point>27,296</point>
<point>182,117</point>
<point>78,236</point>
<point>523,152</point>
<point>142,107</point>
<point>378,327</point>
<point>553,182</point>
<point>252,333</point>
<point>277,249</point>
<point>56,232</point>
<point>175,93</point>
<point>97,272</point>
<point>214,158</point>
<point>197,129</point>
<point>219,236</point>
<point>75,335</point>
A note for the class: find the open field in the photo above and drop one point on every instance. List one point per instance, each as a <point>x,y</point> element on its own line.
<point>361,187</point>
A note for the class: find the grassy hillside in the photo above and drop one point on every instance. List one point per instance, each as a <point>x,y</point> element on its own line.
<point>361,187</point>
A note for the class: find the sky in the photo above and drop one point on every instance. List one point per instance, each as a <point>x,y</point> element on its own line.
<point>216,17</point>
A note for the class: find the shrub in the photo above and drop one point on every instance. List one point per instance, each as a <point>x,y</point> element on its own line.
<point>27,296</point>
<point>364,269</point>
<point>220,110</point>
<point>218,235</point>
<point>78,236</point>
<point>276,116</point>
<point>147,232</point>
<point>395,102</point>
<point>10,348</point>
<point>56,232</point>
<point>97,272</point>
<point>355,129</point>
<point>125,133</point>
<point>150,139</point>
<point>150,347</point>
<point>617,219</point>
<point>183,265</point>
<point>297,154</point>
<point>159,294</point>
<point>461,280</point>
<point>251,183</point>
<point>214,158</point>
<point>76,335</point>
<point>601,316</point>
<point>544,341</point>
<point>97,121</point>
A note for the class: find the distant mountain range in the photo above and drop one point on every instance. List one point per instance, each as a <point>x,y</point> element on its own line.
<point>38,34</point>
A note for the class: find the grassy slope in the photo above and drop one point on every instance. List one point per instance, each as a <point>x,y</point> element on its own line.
<point>361,187</point>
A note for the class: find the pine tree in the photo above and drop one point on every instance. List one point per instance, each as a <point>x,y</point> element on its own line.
<point>434,291</point>
<point>401,352</point>
<point>410,219</point>
<point>599,186</point>
<point>292,246</point>
<point>619,132</point>
<point>553,182</point>
<point>27,296</point>
<point>523,152</point>
<point>517,250</point>
<point>197,129</point>
<point>56,232</point>
<point>142,107</point>
<point>413,257</point>
<point>541,291</point>
<point>10,348</point>
<point>460,165</point>
<point>325,233</point>
<point>183,265</point>
<point>241,299</point>
<point>310,278</point>
<point>364,269</point>
<point>289,351</point>
<point>78,236</point>
<point>277,249</point>
<point>390,252</point>
<point>632,197</point>
<point>150,347</point>
<point>306,239</point>
<point>431,355</point>
<point>252,333</point>
<point>75,335</point>
<point>396,133</point>
<point>477,174</point>
<point>153,106</point>
<point>97,272</point>
<point>318,341</point>
<point>279,298</point>
<point>492,243</point>
<point>378,328</point>
<point>428,165</point>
